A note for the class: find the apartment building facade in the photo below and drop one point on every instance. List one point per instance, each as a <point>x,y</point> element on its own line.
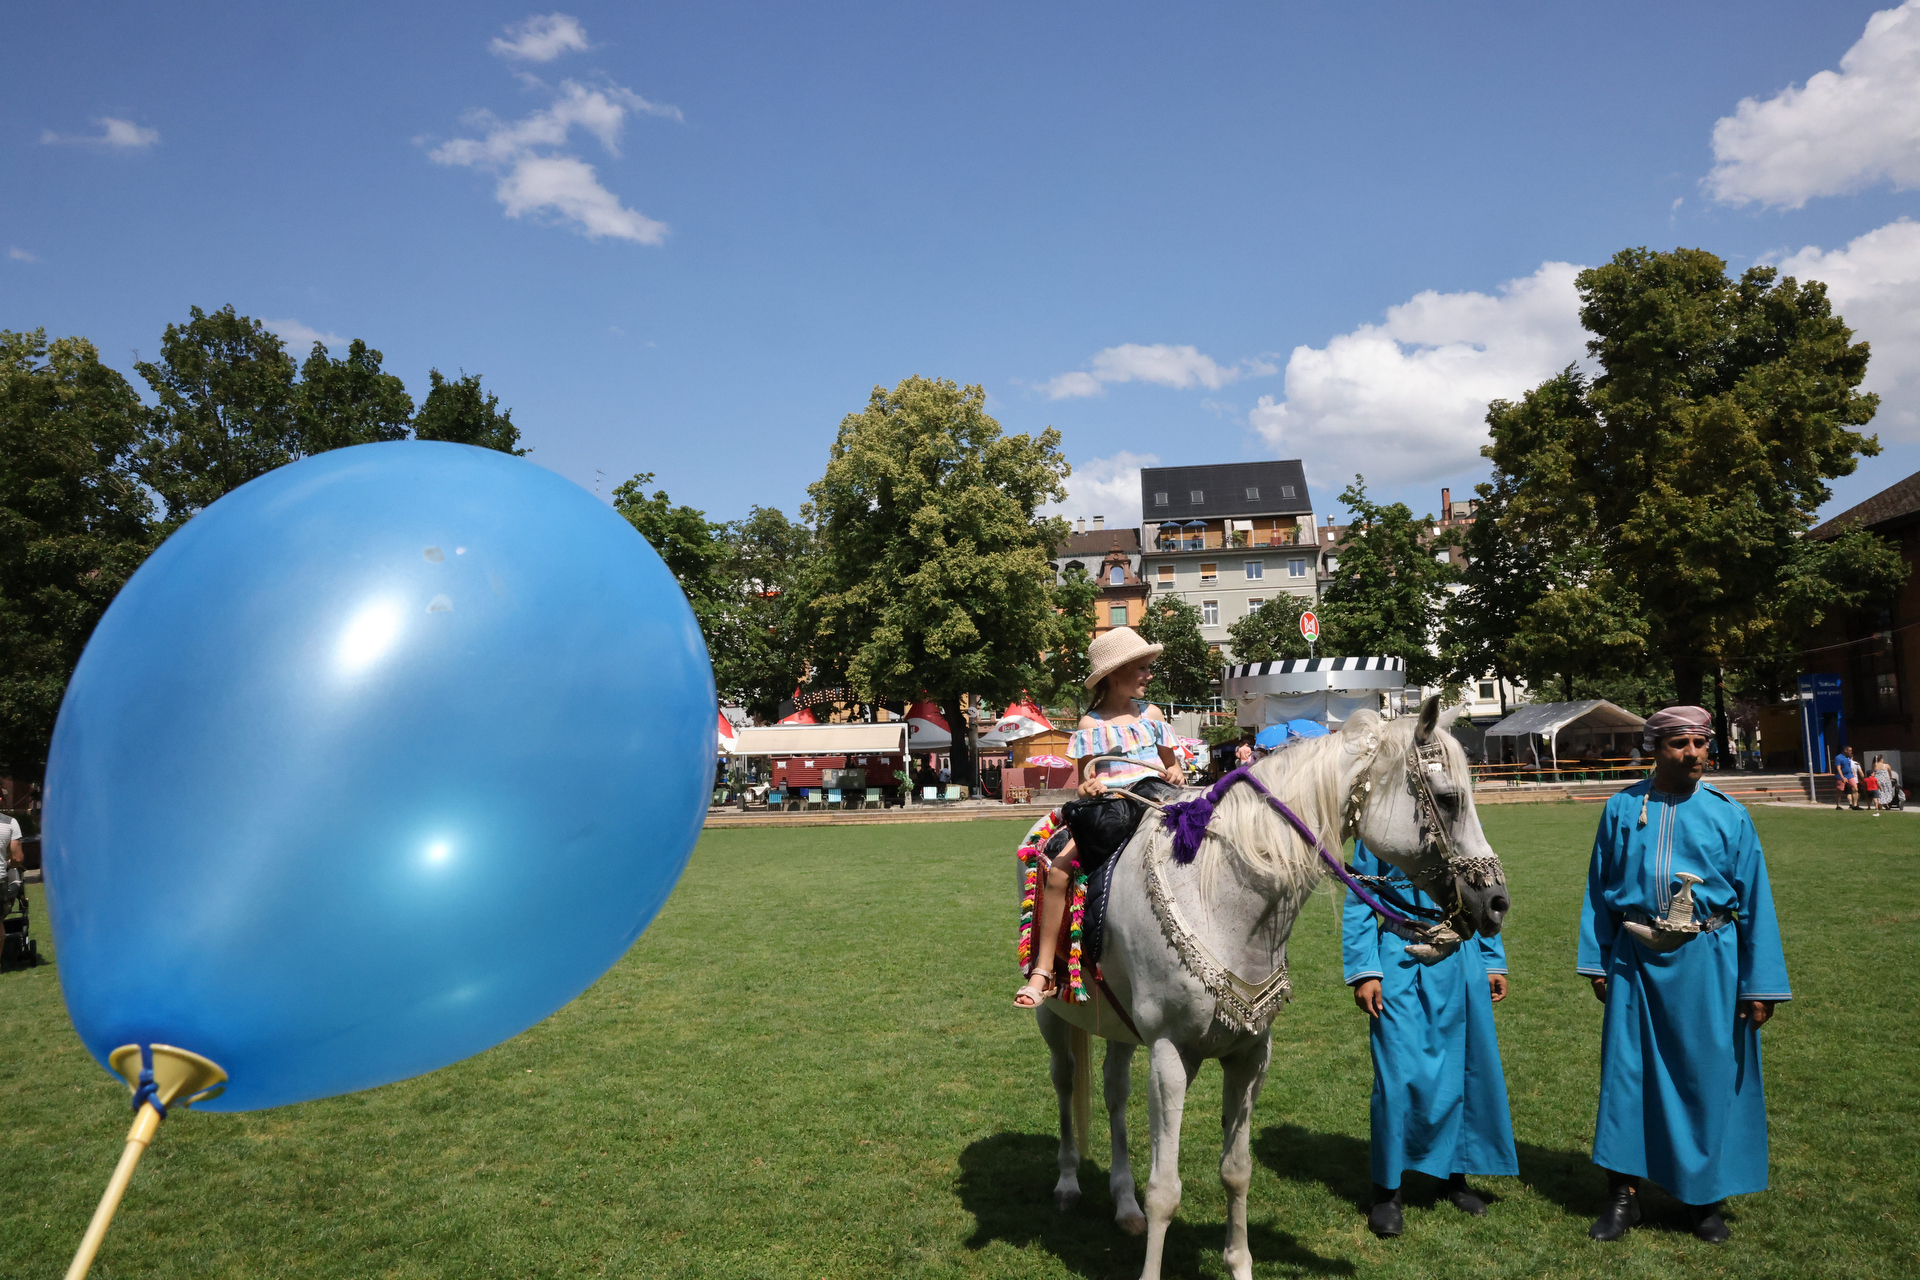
<point>1228,538</point>
<point>1111,557</point>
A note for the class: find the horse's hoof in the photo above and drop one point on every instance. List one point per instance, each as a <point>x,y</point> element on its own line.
<point>1065,1200</point>
<point>1134,1224</point>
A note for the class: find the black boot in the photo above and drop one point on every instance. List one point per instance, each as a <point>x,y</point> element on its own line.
<point>1384,1218</point>
<point>1708,1224</point>
<point>1464,1198</point>
<point>1622,1211</point>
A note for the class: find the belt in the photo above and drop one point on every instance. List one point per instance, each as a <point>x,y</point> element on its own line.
<point>1712,922</point>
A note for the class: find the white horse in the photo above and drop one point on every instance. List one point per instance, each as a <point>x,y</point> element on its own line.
<point>1195,953</point>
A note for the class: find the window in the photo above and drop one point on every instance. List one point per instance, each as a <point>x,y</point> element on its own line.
<point>1159,499</point>
<point>1209,572</point>
<point>1256,570</point>
<point>1333,564</point>
<point>1444,557</point>
<point>1297,568</point>
<point>1166,575</point>
<point>1116,615</point>
<point>1286,491</point>
<point>1487,693</point>
<point>1199,495</point>
<point>1254,603</point>
<point>1253,493</point>
<point>1209,613</point>
<point>1075,564</point>
<point>1117,576</point>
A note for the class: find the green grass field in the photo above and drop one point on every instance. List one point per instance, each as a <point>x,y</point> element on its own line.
<point>809,1067</point>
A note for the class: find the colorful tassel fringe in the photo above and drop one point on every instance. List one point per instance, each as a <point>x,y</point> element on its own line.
<point>1031,854</point>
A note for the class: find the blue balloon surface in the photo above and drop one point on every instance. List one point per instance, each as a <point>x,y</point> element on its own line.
<point>378,761</point>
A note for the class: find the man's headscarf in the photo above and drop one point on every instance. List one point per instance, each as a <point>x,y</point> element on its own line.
<point>1675,720</point>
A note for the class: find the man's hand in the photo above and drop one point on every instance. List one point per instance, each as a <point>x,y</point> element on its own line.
<point>1366,994</point>
<point>1758,1011</point>
<point>1600,990</point>
<point>1497,986</point>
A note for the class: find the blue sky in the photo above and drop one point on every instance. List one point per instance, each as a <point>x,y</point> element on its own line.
<point>689,239</point>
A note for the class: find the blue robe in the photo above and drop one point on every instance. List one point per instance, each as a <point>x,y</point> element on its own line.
<point>1680,1093</point>
<point>1439,1096</point>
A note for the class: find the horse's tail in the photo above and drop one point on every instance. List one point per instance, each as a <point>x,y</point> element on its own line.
<point>1080,1044</point>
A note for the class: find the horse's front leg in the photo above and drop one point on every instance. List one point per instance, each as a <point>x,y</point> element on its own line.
<point>1243,1073</point>
<point>1169,1073</point>
<point>1058,1032</point>
<point>1119,1084</point>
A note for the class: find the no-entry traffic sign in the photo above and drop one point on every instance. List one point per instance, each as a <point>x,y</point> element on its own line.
<point>1309,625</point>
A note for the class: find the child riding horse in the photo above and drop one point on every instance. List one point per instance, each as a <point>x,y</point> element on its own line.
<point>1101,822</point>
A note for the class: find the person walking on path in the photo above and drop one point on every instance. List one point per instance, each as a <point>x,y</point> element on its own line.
<point>1846,776</point>
<point>1439,1101</point>
<point>1880,784</point>
<point>1678,936</point>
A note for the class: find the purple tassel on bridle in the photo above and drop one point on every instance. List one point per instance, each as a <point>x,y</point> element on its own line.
<point>1189,819</point>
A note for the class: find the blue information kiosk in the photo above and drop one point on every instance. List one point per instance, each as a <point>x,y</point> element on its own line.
<point>1823,723</point>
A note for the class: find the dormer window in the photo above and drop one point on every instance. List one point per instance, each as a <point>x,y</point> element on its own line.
<point>1253,493</point>
<point>1117,576</point>
<point>1286,491</point>
<point>1199,496</point>
<point>1159,499</point>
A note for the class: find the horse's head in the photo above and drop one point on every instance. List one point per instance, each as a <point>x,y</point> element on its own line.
<point>1413,806</point>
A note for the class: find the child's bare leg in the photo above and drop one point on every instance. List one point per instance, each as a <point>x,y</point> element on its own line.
<point>1053,908</point>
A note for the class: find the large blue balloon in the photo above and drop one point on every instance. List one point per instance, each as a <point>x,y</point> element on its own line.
<point>379,760</point>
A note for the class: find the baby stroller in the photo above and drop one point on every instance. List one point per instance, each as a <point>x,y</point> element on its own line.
<point>16,918</point>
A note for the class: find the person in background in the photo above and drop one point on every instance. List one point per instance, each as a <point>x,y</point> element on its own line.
<point>1846,778</point>
<point>1439,1102</point>
<point>1679,939</point>
<point>1880,784</point>
<point>1243,755</point>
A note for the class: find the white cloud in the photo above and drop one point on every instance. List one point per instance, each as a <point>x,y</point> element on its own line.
<point>536,178</point>
<point>1874,284</point>
<point>541,38</point>
<point>1107,487</point>
<point>118,135</point>
<point>1407,400</point>
<point>1162,364</point>
<point>301,337</point>
<point>17,254</point>
<point>1844,131</point>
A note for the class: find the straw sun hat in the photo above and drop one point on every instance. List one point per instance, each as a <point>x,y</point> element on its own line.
<point>1115,649</point>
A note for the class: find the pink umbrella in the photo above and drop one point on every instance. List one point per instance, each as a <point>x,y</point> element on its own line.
<point>1050,762</point>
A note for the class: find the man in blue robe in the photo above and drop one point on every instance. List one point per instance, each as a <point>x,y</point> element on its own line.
<point>1439,1097</point>
<point>1679,939</point>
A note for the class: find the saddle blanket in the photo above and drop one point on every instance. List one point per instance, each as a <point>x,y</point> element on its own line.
<point>1083,927</point>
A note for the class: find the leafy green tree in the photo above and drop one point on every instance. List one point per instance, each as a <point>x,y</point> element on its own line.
<point>1271,632</point>
<point>1185,670</point>
<point>1057,677</point>
<point>226,410</point>
<point>74,523</point>
<point>1696,458</point>
<point>932,568</point>
<point>1584,627</point>
<point>1385,597</point>
<point>689,543</point>
<point>765,567</point>
<point>347,402</point>
<point>463,412</point>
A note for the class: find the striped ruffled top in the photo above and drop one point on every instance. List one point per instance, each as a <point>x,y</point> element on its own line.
<point>1139,742</point>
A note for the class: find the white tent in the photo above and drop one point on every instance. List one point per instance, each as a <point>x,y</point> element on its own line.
<point>1022,720</point>
<point>823,740</point>
<point>1327,690</point>
<point>1590,720</point>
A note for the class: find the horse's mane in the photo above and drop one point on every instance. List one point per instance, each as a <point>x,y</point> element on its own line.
<point>1306,777</point>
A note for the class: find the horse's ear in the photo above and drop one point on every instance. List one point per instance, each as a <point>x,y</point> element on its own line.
<point>1429,717</point>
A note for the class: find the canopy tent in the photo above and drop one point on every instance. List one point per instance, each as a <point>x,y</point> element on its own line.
<point>1324,690</point>
<point>823,740</point>
<point>1590,721</point>
<point>729,737</point>
<point>1021,720</point>
<point>803,716</point>
<point>927,729</point>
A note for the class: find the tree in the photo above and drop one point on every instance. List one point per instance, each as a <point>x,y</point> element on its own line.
<point>463,413</point>
<point>1698,455</point>
<point>225,413</point>
<point>348,402</point>
<point>1584,626</point>
<point>932,569</point>
<point>1386,595</point>
<point>1271,632</point>
<point>74,523</point>
<point>1058,676</point>
<point>765,566</point>
<point>1186,668</point>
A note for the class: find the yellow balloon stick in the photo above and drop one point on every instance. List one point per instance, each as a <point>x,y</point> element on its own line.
<point>177,1073</point>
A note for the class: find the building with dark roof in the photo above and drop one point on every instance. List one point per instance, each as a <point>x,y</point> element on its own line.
<point>1876,652</point>
<point>1112,558</point>
<point>1228,538</point>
